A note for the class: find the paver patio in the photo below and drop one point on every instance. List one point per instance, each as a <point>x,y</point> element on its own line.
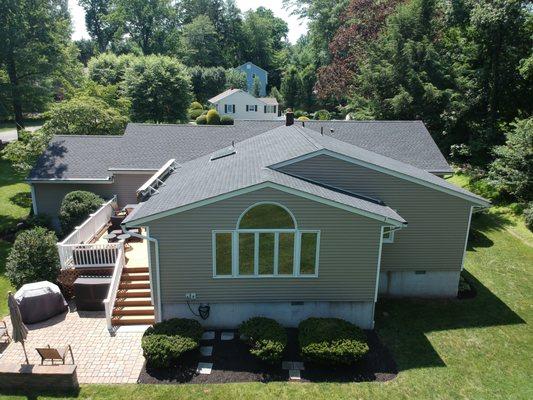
<point>100,356</point>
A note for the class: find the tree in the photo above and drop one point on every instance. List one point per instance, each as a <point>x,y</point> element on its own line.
<point>109,69</point>
<point>207,82</point>
<point>35,52</point>
<point>24,152</point>
<point>33,257</point>
<point>86,50</point>
<point>84,115</point>
<point>512,169</point>
<point>159,88</point>
<point>290,87</point>
<point>99,21</point>
<point>76,207</point>
<point>200,43</point>
<point>235,79</point>
<point>256,88</point>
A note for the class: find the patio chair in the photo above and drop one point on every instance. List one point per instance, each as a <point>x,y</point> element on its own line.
<point>4,335</point>
<point>52,354</point>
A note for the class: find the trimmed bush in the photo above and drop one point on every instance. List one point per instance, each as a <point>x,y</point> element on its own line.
<point>201,120</point>
<point>166,342</point>
<point>266,337</point>
<point>196,106</point>
<point>300,113</point>
<point>322,115</point>
<point>303,118</point>
<point>213,117</point>
<point>528,216</point>
<point>76,207</point>
<point>33,257</point>
<point>331,341</point>
<point>226,120</point>
<point>195,113</point>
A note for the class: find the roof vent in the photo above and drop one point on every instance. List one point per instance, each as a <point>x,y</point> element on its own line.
<point>225,152</point>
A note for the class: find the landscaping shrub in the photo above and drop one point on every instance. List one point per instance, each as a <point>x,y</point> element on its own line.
<point>226,120</point>
<point>303,118</point>
<point>213,117</point>
<point>196,106</point>
<point>300,113</point>
<point>33,257</point>
<point>164,343</point>
<point>201,120</point>
<point>331,341</point>
<point>322,115</point>
<point>528,216</point>
<point>195,113</point>
<point>266,337</point>
<point>76,207</point>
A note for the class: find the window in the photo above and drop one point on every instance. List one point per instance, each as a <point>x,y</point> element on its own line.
<point>266,243</point>
<point>270,109</point>
<point>251,107</point>
<point>388,234</point>
<point>229,108</point>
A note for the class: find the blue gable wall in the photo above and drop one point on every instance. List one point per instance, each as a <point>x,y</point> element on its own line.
<point>251,69</point>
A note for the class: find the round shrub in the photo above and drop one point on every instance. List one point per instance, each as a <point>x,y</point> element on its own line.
<point>322,115</point>
<point>213,117</point>
<point>300,113</point>
<point>166,342</point>
<point>303,118</point>
<point>196,106</point>
<point>266,337</point>
<point>201,120</point>
<point>528,216</point>
<point>33,257</point>
<point>76,207</point>
<point>331,341</point>
<point>226,120</point>
<point>195,113</point>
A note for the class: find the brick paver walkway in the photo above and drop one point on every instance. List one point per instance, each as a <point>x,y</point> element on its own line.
<point>100,357</point>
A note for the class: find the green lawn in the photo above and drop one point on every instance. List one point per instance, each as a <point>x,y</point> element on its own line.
<point>457,349</point>
<point>15,205</point>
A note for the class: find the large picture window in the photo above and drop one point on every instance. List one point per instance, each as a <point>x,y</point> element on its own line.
<point>266,243</point>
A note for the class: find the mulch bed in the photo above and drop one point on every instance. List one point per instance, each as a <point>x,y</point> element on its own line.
<point>232,362</point>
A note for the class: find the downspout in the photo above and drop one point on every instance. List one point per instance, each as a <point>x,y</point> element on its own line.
<point>33,199</point>
<point>158,279</point>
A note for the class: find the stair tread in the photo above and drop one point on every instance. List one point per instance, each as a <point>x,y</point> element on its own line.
<point>132,320</point>
<point>147,308</point>
<point>133,270</point>
<point>141,276</point>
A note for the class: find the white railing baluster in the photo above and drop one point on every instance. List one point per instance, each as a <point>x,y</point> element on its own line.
<point>109,302</point>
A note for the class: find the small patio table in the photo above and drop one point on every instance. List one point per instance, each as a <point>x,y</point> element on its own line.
<point>125,237</point>
<point>110,237</point>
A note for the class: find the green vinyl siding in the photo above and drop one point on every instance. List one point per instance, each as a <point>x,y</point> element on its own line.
<point>349,245</point>
<point>437,222</point>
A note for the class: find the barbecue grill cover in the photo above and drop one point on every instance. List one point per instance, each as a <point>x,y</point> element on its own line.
<point>39,301</point>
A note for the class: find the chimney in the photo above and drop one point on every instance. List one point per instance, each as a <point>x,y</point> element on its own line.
<point>289,117</point>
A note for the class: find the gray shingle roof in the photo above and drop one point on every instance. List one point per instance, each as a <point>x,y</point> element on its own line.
<point>149,145</point>
<point>202,179</point>
<point>224,94</point>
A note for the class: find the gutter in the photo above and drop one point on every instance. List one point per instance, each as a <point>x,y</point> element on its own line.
<point>107,180</point>
<point>156,243</point>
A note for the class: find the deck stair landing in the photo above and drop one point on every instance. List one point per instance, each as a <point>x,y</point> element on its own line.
<point>133,305</point>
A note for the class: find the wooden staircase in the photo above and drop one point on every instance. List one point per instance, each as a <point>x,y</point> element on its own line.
<point>133,305</point>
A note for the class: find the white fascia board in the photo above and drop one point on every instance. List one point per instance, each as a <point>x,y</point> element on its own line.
<point>253,188</point>
<point>72,180</point>
<point>384,170</point>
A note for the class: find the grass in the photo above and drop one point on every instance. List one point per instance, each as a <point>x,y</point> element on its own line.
<point>15,205</point>
<point>455,349</point>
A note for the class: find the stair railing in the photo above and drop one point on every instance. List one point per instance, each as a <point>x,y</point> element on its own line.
<point>109,302</point>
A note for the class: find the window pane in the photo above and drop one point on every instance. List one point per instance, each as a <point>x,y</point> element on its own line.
<point>266,253</point>
<point>223,253</point>
<point>308,254</point>
<point>267,216</point>
<point>246,253</point>
<point>286,253</point>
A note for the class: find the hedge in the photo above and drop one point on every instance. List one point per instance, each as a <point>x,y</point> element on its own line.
<point>226,120</point>
<point>331,341</point>
<point>213,117</point>
<point>266,337</point>
<point>201,120</point>
<point>166,342</point>
<point>196,106</point>
<point>195,113</point>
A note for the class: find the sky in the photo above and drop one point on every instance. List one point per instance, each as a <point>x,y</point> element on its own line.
<point>296,26</point>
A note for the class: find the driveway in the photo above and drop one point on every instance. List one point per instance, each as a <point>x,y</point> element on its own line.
<point>11,135</point>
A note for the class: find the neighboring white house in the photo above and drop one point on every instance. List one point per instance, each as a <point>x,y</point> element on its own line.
<point>240,104</point>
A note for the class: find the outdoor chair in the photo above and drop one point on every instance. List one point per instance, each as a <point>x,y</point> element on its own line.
<point>52,354</point>
<point>4,335</point>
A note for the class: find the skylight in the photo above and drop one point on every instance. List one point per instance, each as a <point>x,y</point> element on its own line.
<point>225,152</point>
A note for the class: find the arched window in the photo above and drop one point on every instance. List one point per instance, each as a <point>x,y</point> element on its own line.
<point>266,243</point>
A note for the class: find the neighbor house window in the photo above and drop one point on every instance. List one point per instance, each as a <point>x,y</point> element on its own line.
<point>388,234</point>
<point>229,108</point>
<point>266,243</point>
<point>251,107</point>
<point>270,109</point>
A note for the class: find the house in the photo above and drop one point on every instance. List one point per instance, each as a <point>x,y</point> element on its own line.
<point>252,71</point>
<point>276,218</point>
<point>242,105</point>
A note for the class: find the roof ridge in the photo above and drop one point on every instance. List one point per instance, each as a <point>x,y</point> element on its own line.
<point>307,137</point>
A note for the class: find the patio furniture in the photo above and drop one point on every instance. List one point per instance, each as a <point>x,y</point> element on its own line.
<point>39,301</point>
<point>4,334</point>
<point>128,208</point>
<point>53,354</point>
<point>110,237</point>
<point>115,221</point>
<point>126,238</point>
<point>90,292</point>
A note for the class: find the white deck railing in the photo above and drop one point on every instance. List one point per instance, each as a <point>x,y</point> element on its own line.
<point>76,251</point>
<point>109,302</point>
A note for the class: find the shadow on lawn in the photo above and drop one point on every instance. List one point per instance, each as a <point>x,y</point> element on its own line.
<point>404,323</point>
<point>34,394</point>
